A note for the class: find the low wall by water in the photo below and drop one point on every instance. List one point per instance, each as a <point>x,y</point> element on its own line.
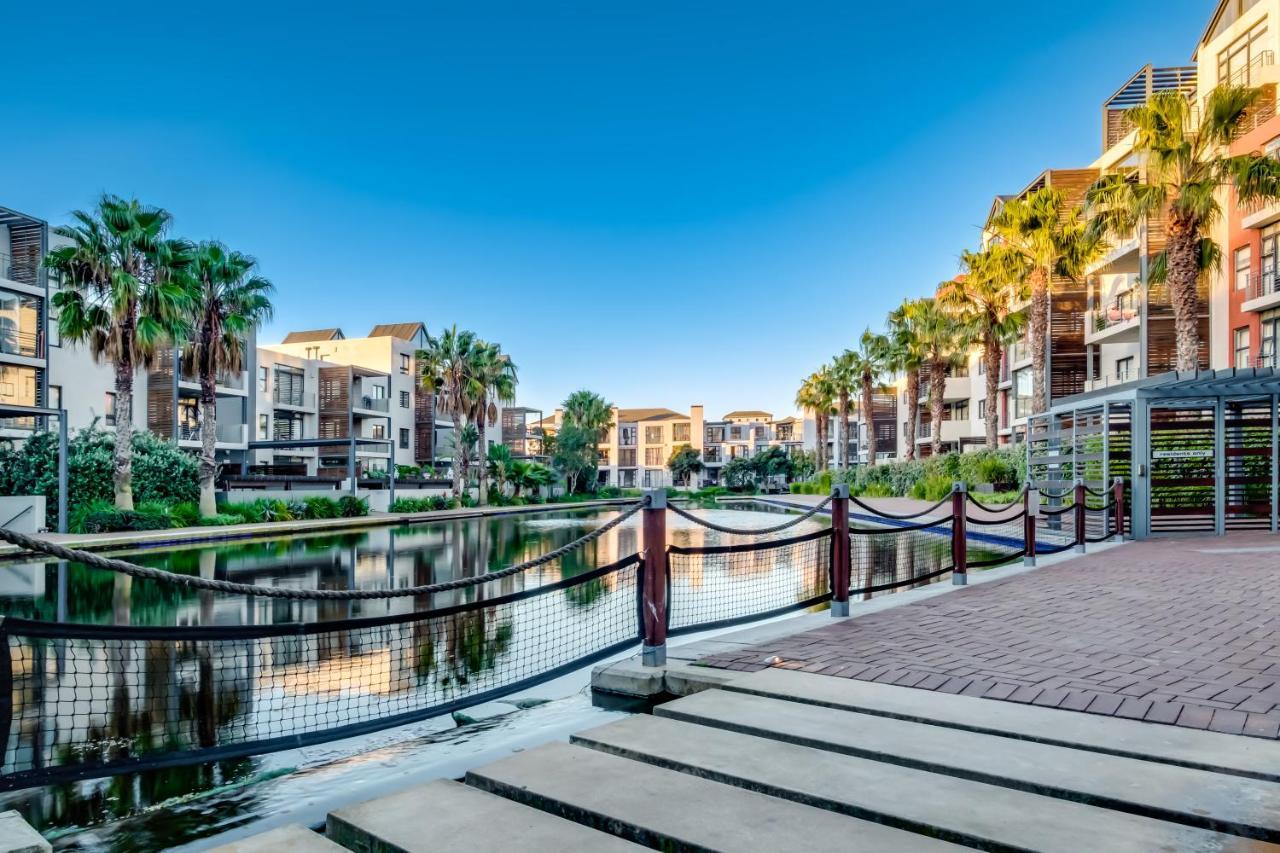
<point>23,513</point>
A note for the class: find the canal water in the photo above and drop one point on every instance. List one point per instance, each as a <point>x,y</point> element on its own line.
<point>109,814</point>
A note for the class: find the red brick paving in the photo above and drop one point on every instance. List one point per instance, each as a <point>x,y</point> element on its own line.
<point>1159,631</point>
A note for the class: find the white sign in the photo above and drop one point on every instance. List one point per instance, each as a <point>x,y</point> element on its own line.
<point>1182,454</point>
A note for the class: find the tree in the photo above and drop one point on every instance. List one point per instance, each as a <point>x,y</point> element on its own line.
<point>227,302</point>
<point>986,303</point>
<point>943,344</point>
<point>739,473</point>
<point>589,413</point>
<point>529,475</point>
<point>770,463</point>
<point>121,294</point>
<point>906,353</point>
<point>496,376</point>
<point>844,371</point>
<point>1182,162</point>
<point>684,464</point>
<point>499,466</point>
<point>576,456</point>
<point>875,354</point>
<point>1052,240</point>
<point>816,394</point>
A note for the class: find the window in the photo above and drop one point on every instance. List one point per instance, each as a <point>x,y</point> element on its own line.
<point>960,411</point>
<point>1267,266</point>
<point>404,399</point>
<point>404,439</point>
<point>20,324</point>
<point>1244,258</point>
<point>263,422</point>
<point>1240,346</point>
<point>109,409</point>
<point>603,457</point>
<point>653,435</point>
<point>1022,392</point>
<point>982,409</point>
<point>652,479</point>
<point>379,392</point>
<point>627,436</point>
<point>1269,338</point>
<point>680,432</point>
<point>55,397</point>
<point>404,363</point>
<point>263,380</point>
<point>1124,369</point>
<point>379,431</point>
<point>653,456</point>
<point>627,458</point>
<point>1236,62</point>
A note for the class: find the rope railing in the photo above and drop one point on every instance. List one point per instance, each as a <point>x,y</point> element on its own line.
<point>750,531</point>
<point>896,517</point>
<point>997,507</point>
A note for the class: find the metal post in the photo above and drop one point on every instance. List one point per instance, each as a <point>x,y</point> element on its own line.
<point>653,594</point>
<point>1117,491</point>
<point>351,463</point>
<point>1032,503</point>
<point>62,471</point>
<point>1219,468</point>
<point>959,536</point>
<point>1079,513</point>
<point>841,553</point>
<point>391,464</point>
<point>1275,462</point>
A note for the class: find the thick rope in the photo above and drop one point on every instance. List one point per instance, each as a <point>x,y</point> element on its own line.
<point>720,528</point>
<point>97,561</point>
<point>907,517</point>
<point>996,507</point>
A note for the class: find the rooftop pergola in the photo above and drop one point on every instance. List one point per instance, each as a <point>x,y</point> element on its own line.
<point>1200,449</point>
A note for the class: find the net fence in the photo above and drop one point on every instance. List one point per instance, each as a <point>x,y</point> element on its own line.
<point>717,586</point>
<point>996,534</point>
<point>890,558</point>
<point>92,700</point>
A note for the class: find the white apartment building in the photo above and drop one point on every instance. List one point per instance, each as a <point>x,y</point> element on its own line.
<point>24,299</point>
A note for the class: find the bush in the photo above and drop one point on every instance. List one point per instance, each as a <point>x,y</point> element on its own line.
<point>222,519</point>
<point>932,488</point>
<point>185,514</point>
<point>876,490</point>
<point>350,506</point>
<point>318,507</point>
<point>248,513</point>
<point>103,517</point>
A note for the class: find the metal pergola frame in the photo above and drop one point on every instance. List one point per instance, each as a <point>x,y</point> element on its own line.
<point>1203,389</point>
<point>350,443</point>
<point>10,410</point>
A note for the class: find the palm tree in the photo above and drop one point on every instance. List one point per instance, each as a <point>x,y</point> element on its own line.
<point>817,394</point>
<point>985,302</point>
<point>227,302</point>
<point>449,370</point>
<point>592,415</point>
<point>496,375</point>
<point>845,370</point>
<point>943,344</point>
<point>1182,162</point>
<point>122,294</point>
<point>906,354</point>
<point>1053,240</point>
<point>501,466</point>
<point>874,358</point>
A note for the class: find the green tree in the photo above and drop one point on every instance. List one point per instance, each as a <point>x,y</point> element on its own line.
<point>497,380</point>
<point>576,456</point>
<point>944,346</point>
<point>1182,161</point>
<point>589,417</point>
<point>986,303</point>
<point>228,302</point>
<point>500,466</point>
<point>875,356</point>
<point>1053,239</point>
<point>843,372</point>
<point>817,395</point>
<point>684,464</point>
<point>906,354</point>
<point>121,294</point>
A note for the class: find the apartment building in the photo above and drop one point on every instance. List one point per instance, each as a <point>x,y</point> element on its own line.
<point>24,300</point>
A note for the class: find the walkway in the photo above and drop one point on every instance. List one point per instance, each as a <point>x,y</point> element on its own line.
<point>1169,631</point>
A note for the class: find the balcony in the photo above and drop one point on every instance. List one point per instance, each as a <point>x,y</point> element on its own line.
<point>190,435</point>
<point>22,269</point>
<point>293,398</point>
<point>1122,255</point>
<point>1263,292</point>
<point>380,405</point>
<point>1136,91</point>
<point>1118,322</point>
<point>952,431</point>
<point>20,343</point>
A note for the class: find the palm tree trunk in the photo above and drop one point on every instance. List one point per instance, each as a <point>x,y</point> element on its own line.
<point>913,412</point>
<point>824,423</point>
<point>842,450</point>
<point>482,450</point>
<point>937,393</point>
<point>208,437</point>
<point>868,418</point>
<point>991,352</point>
<point>457,454</point>
<point>1038,334</point>
<point>1183,276</point>
<point>122,468</point>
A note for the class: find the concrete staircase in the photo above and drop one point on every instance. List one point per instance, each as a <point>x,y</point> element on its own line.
<point>779,760</point>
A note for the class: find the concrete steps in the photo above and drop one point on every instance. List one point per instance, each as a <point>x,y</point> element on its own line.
<point>779,760</point>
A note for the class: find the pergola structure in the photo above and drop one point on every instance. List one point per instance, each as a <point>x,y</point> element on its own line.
<point>1200,451</point>
<point>39,414</point>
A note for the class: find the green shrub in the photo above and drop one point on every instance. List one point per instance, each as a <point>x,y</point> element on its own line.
<point>876,490</point>
<point>222,519</point>
<point>185,514</point>
<point>248,513</point>
<point>320,507</point>
<point>438,502</point>
<point>103,517</point>
<point>932,488</point>
<point>350,506</point>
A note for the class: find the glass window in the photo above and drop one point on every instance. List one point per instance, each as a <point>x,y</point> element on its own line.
<point>404,363</point>
<point>1240,62</point>
<point>1267,261</point>
<point>379,431</point>
<point>1269,338</point>
<point>404,399</point>
<point>263,379</point>
<point>1240,346</point>
<point>982,409</point>
<point>1124,369</point>
<point>1022,392</point>
<point>653,435</point>
<point>20,324</point>
<point>109,409</point>
<point>263,422</point>
<point>680,432</point>
<point>1244,257</point>
<point>404,439</point>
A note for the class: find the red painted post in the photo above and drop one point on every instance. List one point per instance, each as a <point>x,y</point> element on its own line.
<point>1031,501</point>
<point>1117,489</point>
<point>841,554</point>
<point>1079,512</point>
<point>959,535</point>
<point>653,596</point>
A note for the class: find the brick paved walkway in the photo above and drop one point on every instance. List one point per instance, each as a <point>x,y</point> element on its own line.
<point>1166,631</point>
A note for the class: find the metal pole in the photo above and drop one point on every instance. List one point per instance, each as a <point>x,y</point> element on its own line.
<point>841,553</point>
<point>1219,468</point>
<point>1079,513</point>
<point>653,592</point>
<point>62,471</point>
<point>1032,503</point>
<point>1275,462</point>
<point>351,462</point>
<point>391,467</point>
<point>1117,490</point>
<point>959,540</point>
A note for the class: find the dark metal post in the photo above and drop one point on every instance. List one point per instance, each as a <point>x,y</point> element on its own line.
<point>653,595</point>
<point>1117,489</point>
<point>351,463</point>
<point>959,535</point>
<point>841,565</point>
<point>1031,503</point>
<point>1079,512</point>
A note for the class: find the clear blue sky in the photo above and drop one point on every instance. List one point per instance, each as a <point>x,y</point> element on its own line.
<point>667,202</point>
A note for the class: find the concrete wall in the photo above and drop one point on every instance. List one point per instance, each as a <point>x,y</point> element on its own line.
<point>23,513</point>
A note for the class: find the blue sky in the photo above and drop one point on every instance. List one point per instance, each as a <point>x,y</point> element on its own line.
<point>666,202</point>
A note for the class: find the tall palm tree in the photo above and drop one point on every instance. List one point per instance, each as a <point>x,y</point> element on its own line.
<point>496,374</point>
<point>817,394</point>
<point>1053,239</point>
<point>986,303</point>
<point>1182,161</point>
<point>122,294</point>
<point>906,354</point>
<point>844,371</point>
<point>875,354</point>
<point>592,414</point>
<point>228,301</point>
<point>449,370</point>
<point>943,343</point>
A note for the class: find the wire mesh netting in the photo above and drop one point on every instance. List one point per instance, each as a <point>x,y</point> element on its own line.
<point>721,585</point>
<point>89,700</point>
<point>995,535</point>
<point>888,558</point>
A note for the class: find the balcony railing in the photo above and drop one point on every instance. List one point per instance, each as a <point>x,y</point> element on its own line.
<point>226,433</point>
<point>28,344</point>
<point>1120,310</point>
<point>1262,285</point>
<point>374,404</point>
<point>294,397</point>
<point>1251,74</point>
<point>1268,359</point>
<point>23,270</point>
